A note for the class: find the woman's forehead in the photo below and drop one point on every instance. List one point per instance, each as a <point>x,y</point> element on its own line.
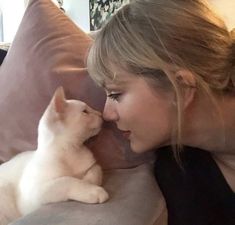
<point>120,79</point>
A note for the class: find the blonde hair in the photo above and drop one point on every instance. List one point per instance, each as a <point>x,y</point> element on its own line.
<point>147,36</point>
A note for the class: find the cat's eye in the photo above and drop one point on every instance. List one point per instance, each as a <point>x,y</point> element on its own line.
<point>85,111</point>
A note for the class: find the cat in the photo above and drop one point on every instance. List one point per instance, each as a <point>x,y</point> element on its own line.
<point>61,168</point>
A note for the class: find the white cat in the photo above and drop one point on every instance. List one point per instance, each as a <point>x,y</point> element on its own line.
<point>62,168</point>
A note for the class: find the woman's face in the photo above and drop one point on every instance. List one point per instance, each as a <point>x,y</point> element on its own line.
<point>142,114</point>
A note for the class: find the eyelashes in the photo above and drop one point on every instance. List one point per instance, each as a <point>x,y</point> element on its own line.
<point>114,96</point>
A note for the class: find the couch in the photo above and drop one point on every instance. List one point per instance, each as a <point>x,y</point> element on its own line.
<point>48,51</point>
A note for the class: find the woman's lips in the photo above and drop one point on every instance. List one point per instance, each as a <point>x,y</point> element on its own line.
<point>126,134</point>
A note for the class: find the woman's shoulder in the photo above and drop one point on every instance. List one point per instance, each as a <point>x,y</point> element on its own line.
<point>194,165</point>
<point>186,153</point>
<point>194,188</point>
<point>188,158</point>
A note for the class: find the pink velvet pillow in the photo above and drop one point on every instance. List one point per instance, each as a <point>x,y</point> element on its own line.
<point>49,51</point>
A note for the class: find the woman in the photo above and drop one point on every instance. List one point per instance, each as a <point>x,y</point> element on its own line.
<point>168,68</point>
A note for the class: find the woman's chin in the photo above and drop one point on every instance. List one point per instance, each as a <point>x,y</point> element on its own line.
<point>138,148</point>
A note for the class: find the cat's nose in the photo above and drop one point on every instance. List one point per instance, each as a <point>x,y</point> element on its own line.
<point>97,113</point>
<point>89,109</point>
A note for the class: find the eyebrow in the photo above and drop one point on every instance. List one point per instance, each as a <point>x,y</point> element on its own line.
<point>110,85</point>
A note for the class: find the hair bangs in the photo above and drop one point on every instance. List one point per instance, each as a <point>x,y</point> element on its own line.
<point>99,63</point>
<point>112,47</point>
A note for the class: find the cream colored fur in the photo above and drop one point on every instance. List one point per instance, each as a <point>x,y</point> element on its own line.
<point>62,168</point>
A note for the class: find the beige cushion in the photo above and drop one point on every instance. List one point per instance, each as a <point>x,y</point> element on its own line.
<point>48,51</point>
<point>135,199</point>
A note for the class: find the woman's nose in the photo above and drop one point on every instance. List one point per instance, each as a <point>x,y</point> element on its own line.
<point>110,112</point>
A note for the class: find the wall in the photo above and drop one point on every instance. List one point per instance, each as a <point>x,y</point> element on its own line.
<point>78,11</point>
<point>13,10</point>
<point>1,26</point>
<point>226,8</point>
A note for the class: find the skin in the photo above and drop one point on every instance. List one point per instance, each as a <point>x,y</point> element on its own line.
<point>146,117</point>
<point>146,123</point>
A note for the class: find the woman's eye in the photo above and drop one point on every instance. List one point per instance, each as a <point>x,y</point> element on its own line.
<point>114,96</point>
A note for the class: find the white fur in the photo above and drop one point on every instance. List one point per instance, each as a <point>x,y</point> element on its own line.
<point>62,168</point>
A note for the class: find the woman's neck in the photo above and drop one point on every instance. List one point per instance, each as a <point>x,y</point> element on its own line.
<point>211,127</point>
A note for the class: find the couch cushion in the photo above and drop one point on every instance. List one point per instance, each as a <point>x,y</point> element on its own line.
<point>49,51</point>
<point>135,199</point>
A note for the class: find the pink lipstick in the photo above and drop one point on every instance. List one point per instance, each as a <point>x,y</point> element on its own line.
<point>126,134</point>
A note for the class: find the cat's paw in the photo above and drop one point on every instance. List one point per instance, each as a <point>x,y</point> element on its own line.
<point>97,195</point>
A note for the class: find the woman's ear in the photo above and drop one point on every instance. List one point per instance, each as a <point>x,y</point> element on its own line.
<point>187,81</point>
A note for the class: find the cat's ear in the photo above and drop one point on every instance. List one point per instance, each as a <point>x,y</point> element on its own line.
<point>59,101</point>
